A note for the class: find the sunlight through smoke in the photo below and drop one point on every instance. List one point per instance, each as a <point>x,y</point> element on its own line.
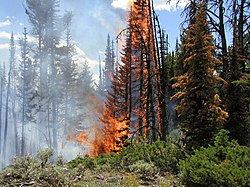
<point>158,4</point>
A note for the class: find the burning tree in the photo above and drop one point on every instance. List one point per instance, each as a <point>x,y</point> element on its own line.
<point>148,70</point>
<point>136,100</point>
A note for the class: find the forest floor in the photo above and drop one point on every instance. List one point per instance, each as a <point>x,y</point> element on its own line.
<point>13,176</point>
<point>125,179</point>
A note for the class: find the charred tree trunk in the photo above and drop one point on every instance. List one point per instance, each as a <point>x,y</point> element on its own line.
<point>241,21</point>
<point>163,93</point>
<point>162,74</point>
<point>141,96</point>
<point>222,33</point>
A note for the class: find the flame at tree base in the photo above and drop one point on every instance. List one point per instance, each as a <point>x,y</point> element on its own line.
<point>114,129</point>
<point>104,139</point>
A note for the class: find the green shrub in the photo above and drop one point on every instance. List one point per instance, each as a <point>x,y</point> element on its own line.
<point>107,161</point>
<point>44,156</point>
<point>85,162</point>
<point>226,163</point>
<point>164,155</point>
<point>142,167</point>
<point>27,171</point>
<point>113,160</point>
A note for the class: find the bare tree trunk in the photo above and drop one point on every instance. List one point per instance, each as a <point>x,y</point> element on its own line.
<point>162,75</point>
<point>141,95</point>
<point>6,118</point>
<point>13,110</point>
<point>48,126</point>
<point>163,93</point>
<point>1,107</point>
<point>23,128</point>
<point>54,128</point>
<point>223,41</point>
<point>241,21</point>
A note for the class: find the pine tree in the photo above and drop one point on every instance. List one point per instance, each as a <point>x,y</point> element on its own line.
<point>116,118</point>
<point>7,126</point>
<point>237,94</point>
<point>44,17</point>
<point>2,99</point>
<point>108,71</point>
<point>69,76</point>
<point>26,91</point>
<point>199,109</point>
<point>84,101</point>
<point>145,62</point>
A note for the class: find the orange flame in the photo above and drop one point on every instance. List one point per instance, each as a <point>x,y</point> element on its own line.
<point>109,136</point>
<point>106,138</point>
<point>81,138</point>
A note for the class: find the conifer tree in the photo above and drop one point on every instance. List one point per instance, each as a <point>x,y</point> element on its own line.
<point>108,71</point>
<point>44,17</point>
<point>117,115</point>
<point>144,59</point>
<point>2,105</point>
<point>8,99</point>
<point>199,109</point>
<point>26,90</point>
<point>114,119</point>
<point>69,75</point>
<point>237,94</point>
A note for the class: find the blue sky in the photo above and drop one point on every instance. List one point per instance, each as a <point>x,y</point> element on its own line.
<point>92,21</point>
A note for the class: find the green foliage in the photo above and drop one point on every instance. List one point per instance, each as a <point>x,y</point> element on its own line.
<point>238,107</point>
<point>45,155</point>
<point>103,161</point>
<point>226,163</point>
<point>143,167</point>
<point>27,171</point>
<point>138,163</point>
<point>86,161</point>
<point>131,180</point>
<point>199,111</point>
<point>164,155</point>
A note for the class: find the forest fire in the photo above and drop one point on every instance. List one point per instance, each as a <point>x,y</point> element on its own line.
<point>75,113</point>
<point>105,138</point>
<point>81,138</point>
<point>115,121</point>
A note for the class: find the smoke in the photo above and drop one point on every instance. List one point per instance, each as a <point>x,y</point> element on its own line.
<point>158,4</point>
<point>71,150</point>
<point>121,4</point>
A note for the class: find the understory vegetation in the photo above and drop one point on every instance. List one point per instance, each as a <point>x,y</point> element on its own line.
<point>198,93</point>
<point>224,163</point>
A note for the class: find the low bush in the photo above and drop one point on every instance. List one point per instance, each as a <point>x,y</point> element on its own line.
<point>85,162</point>
<point>225,163</point>
<point>142,167</point>
<point>164,155</point>
<point>111,161</point>
<point>28,171</point>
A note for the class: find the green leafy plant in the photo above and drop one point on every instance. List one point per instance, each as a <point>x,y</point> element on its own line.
<point>164,155</point>
<point>225,163</point>
<point>44,156</point>
<point>27,171</point>
<point>143,167</point>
